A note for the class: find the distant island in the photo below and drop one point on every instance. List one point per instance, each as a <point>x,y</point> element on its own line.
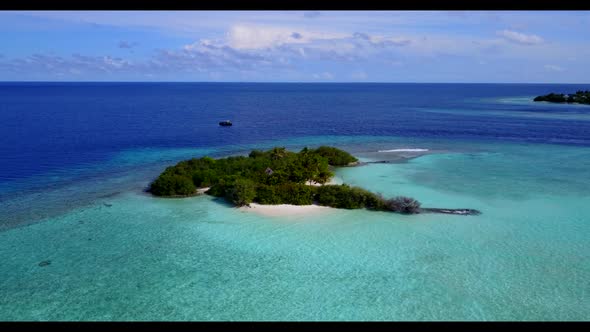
<point>580,97</point>
<point>278,176</point>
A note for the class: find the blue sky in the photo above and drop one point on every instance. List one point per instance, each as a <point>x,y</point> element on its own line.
<point>296,46</point>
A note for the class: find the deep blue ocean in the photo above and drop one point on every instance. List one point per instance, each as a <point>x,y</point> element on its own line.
<point>80,240</point>
<point>49,126</point>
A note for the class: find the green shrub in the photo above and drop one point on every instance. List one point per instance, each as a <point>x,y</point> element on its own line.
<point>335,157</point>
<point>256,154</point>
<point>172,185</point>
<point>205,177</point>
<point>346,197</point>
<point>217,190</point>
<point>241,192</point>
<point>267,195</point>
<point>298,194</point>
<point>403,204</point>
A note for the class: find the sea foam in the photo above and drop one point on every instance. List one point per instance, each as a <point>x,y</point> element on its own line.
<point>404,150</point>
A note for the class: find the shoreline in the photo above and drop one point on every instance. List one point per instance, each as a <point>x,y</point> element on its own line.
<point>201,191</point>
<point>286,210</point>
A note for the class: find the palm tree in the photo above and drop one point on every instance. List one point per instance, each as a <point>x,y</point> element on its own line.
<point>278,153</point>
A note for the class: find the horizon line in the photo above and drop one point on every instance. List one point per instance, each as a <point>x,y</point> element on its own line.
<point>287,82</point>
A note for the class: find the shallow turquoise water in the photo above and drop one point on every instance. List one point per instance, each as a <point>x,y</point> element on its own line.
<point>129,256</point>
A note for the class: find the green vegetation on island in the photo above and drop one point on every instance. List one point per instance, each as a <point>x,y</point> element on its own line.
<point>580,97</point>
<point>276,176</point>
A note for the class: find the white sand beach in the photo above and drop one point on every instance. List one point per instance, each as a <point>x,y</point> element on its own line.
<point>202,190</point>
<point>285,210</point>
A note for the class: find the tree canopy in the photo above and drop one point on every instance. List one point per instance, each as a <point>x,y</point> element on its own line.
<point>580,97</point>
<point>276,176</point>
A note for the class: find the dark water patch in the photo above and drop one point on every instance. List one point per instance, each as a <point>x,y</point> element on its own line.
<point>45,263</point>
<point>110,195</point>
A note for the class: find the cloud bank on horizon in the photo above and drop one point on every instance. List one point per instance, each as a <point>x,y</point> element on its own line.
<point>295,46</point>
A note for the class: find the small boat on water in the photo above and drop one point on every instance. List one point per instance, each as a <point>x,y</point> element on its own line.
<point>225,123</point>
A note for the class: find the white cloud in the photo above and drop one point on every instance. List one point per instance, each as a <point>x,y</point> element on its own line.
<point>250,37</point>
<point>277,41</point>
<point>115,62</point>
<point>553,68</point>
<point>206,54</point>
<point>257,37</point>
<point>520,38</point>
<point>263,37</point>
<point>75,65</point>
<point>381,41</point>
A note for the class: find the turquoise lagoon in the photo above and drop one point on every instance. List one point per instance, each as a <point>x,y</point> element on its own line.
<point>116,253</point>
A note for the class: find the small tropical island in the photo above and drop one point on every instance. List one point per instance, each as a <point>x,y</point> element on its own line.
<point>278,176</point>
<point>580,97</point>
